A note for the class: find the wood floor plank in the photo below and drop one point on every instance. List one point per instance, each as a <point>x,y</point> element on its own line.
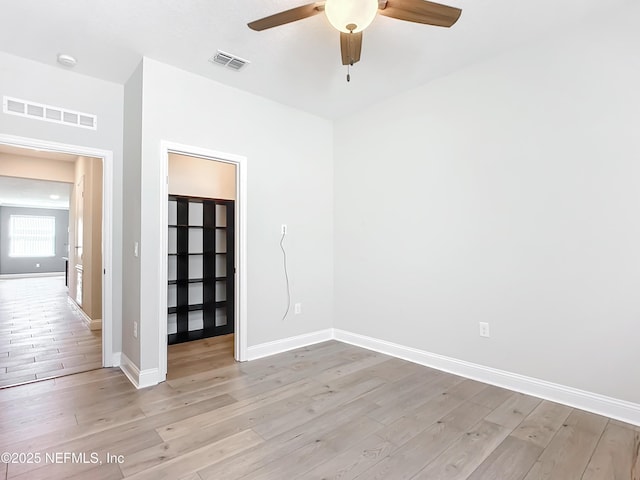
<point>447,404</point>
<point>542,424</point>
<point>248,418</point>
<point>345,369</point>
<point>17,380</point>
<point>319,403</point>
<point>286,442</point>
<point>191,476</point>
<point>295,463</point>
<point>492,396</point>
<point>200,458</point>
<point>616,456</point>
<point>37,425</point>
<point>103,434</point>
<point>466,453</point>
<point>625,425</point>
<point>395,369</point>
<point>116,444</point>
<point>250,410</point>
<point>68,399</point>
<point>351,462</point>
<point>42,336</point>
<point>511,460</point>
<point>568,454</point>
<point>409,401</point>
<point>177,399</point>
<point>514,410</point>
<point>167,450</point>
<point>100,472</point>
<point>207,379</point>
<point>414,455</point>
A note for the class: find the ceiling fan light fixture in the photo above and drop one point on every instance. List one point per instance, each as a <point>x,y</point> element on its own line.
<point>345,14</point>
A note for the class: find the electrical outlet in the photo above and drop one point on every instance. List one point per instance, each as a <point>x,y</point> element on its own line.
<point>283,229</point>
<point>484,329</point>
<point>135,329</point>
<point>297,308</point>
<point>37,265</point>
<point>135,249</point>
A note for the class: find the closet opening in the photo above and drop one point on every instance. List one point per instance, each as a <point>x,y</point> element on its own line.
<point>201,264</point>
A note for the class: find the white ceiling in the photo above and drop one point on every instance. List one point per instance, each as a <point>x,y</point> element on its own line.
<point>25,192</point>
<point>297,64</point>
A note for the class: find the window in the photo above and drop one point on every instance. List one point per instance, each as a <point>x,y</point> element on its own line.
<point>32,236</point>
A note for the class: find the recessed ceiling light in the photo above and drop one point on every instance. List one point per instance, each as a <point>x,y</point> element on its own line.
<point>67,60</point>
<point>54,197</point>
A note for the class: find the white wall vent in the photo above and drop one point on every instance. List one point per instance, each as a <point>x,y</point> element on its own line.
<point>48,113</point>
<point>228,60</point>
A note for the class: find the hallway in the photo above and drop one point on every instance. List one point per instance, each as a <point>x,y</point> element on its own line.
<point>41,335</point>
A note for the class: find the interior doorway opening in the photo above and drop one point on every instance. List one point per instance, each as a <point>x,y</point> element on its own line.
<point>51,280</point>
<point>200,264</point>
<point>102,243</point>
<point>231,346</point>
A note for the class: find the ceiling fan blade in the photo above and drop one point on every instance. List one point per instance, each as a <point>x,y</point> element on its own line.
<point>350,46</point>
<point>421,11</point>
<point>287,16</point>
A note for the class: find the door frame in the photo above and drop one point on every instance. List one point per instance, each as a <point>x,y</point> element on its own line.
<point>106,156</point>
<point>240,301</point>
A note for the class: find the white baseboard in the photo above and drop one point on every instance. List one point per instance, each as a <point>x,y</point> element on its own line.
<point>139,378</point>
<point>116,359</point>
<point>278,346</point>
<point>93,324</point>
<point>592,402</point>
<point>8,276</point>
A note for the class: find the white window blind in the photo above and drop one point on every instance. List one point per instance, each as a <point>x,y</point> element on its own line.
<point>32,236</point>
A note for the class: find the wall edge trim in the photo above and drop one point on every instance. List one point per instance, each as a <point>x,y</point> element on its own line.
<point>7,276</point>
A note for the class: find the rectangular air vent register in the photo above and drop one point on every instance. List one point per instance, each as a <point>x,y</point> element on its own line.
<point>228,60</point>
<point>48,113</point>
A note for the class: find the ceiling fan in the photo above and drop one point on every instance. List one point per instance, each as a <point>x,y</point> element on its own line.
<point>351,17</point>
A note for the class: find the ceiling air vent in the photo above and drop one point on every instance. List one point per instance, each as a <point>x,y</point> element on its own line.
<point>48,113</point>
<point>228,60</point>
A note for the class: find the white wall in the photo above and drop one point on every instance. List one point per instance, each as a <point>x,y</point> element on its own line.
<point>41,83</point>
<point>131,213</point>
<point>290,174</point>
<point>507,193</point>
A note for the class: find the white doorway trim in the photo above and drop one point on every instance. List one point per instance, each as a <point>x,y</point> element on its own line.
<point>240,162</point>
<point>106,156</point>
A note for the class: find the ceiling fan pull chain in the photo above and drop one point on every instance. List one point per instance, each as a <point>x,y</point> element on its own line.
<point>351,28</point>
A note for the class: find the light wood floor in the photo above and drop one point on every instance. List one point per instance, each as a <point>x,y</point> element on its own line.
<point>325,411</point>
<point>191,358</point>
<point>41,336</point>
